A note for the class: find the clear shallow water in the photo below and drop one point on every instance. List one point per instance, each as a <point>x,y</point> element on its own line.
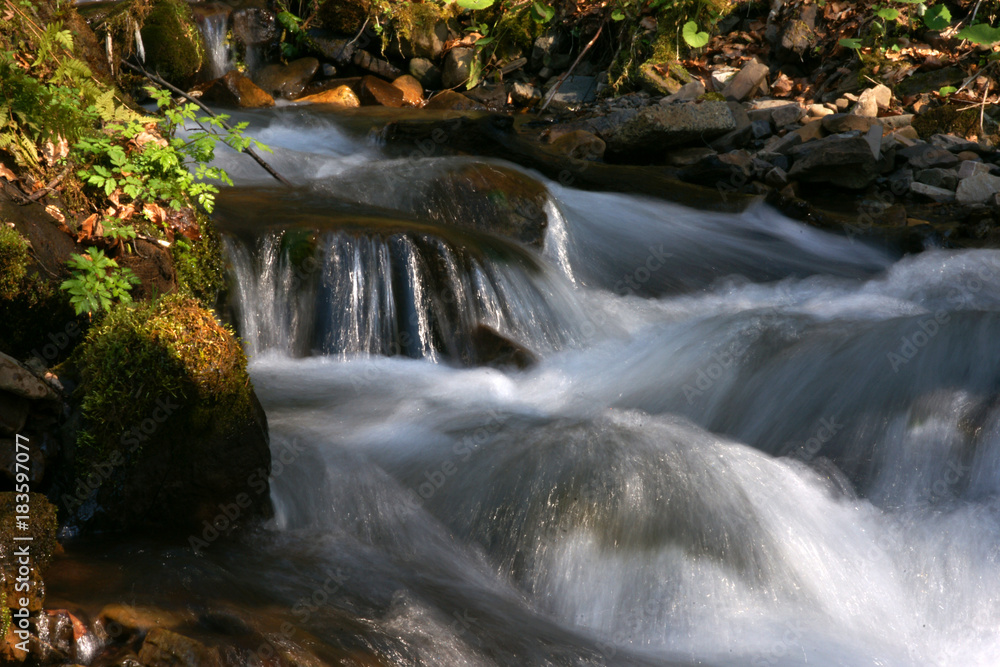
<point>744,442</point>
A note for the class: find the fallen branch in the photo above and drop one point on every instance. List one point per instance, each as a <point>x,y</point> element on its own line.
<point>555,88</point>
<point>248,150</point>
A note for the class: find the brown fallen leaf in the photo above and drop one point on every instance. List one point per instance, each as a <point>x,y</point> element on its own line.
<point>54,211</point>
<point>7,173</point>
<point>87,227</point>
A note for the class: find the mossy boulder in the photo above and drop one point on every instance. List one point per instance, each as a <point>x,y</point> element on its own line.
<point>343,16</point>
<point>173,43</point>
<point>947,119</point>
<point>41,527</point>
<point>13,261</point>
<point>172,431</point>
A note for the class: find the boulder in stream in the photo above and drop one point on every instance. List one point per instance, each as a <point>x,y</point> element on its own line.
<point>235,90</point>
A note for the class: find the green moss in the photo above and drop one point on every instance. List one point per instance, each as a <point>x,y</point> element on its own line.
<point>947,119</point>
<point>200,266</point>
<point>516,32</point>
<point>173,42</point>
<point>140,356</point>
<point>344,16</point>
<point>13,261</point>
<point>714,97</point>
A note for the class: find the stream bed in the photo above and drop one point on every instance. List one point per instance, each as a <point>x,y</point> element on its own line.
<point>740,440</point>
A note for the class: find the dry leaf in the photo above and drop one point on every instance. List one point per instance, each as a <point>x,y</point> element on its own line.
<point>87,227</point>
<point>7,173</point>
<point>54,211</point>
<point>155,213</point>
<point>53,152</point>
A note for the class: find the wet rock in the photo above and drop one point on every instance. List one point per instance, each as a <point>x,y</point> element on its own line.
<point>977,190</point>
<point>748,80</point>
<point>235,90</point>
<point>491,198</point>
<point>457,65</point>
<point>287,81</point>
<point>578,145</point>
<point>713,170</point>
<point>845,162</point>
<point>253,27</point>
<point>18,380</point>
<point>819,111</point>
<point>574,91</point>
<point>449,100</point>
<point>524,94</point>
<point>939,195</point>
<point>173,43</point>
<point>41,528</point>
<point>377,66</point>
<point>413,92</point>
<point>490,348</point>
<point>163,648</point>
<point>941,178</point>
<point>686,93</point>
<point>426,72</point>
<point>654,129</point>
<point>341,96</point>
<point>120,622</point>
<point>489,94</point>
<point>684,157</point>
<point>375,91</point>
<point>776,177</point>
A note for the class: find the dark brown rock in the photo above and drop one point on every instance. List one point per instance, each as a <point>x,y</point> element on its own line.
<point>847,163</point>
<point>449,100</point>
<point>287,81</point>
<point>163,648</point>
<point>490,348</point>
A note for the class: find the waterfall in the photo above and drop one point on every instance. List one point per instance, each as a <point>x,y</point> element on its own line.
<point>410,294</point>
<point>213,22</point>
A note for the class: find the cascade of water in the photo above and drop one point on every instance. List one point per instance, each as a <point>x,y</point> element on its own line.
<point>214,26</point>
<point>408,294</point>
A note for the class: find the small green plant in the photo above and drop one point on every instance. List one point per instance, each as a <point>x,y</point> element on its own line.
<point>692,37</point>
<point>97,281</point>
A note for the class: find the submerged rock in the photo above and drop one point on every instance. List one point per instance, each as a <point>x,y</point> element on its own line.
<point>287,81</point>
<point>488,347</point>
<point>846,162</point>
<point>41,527</point>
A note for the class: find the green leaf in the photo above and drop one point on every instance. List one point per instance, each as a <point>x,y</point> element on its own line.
<point>850,42</point>
<point>980,34</point>
<point>947,90</point>
<point>474,4</point>
<point>888,13</point>
<point>694,39</point>
<point>541,12</point>
<point>484,41</point>
<point>617,15</point>
<point>937,17</point>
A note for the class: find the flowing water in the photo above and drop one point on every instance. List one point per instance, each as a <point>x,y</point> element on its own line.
<point>744,441</point>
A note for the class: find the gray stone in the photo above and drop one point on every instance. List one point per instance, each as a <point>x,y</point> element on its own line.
<point>873,99</point>
<point>426,72</point>
<point>377,66</point>
<point>939,195</point>
<point>775,159</point>
<point>760,129</point>
<point>656,128</point>
<point>722,76</point>
<point>846,162</point>
<point>776,177</point>
<point>329,71</point>
<point>970,168</point>
<point>950,142</point>
<point>900,181</point>
<point>524,93</point>
<point>749,78</point>
<point>786,115</point>
<point>543,49</point>
<point>929,157</point>
<point>18,380</point>
<point>340,51</point>
<point>574,91</point>
<point>687,93</point>
<point>893,122</point>
<point>874,139</point>
<point>940,178</point>
<point>977,189</point>
<point>457,65</point>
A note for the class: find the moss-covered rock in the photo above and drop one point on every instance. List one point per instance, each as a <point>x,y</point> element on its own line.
<point>200,265</point>
<point>343,16</point>
<point>172,430</point>
<point>41,527</point>
<point>947,119</point>
<point>173,43</point>
<point>13,261</point>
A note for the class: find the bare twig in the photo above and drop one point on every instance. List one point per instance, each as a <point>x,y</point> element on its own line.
<point>555,88</point>
<point>35,196</point>
<point>248,150</point>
